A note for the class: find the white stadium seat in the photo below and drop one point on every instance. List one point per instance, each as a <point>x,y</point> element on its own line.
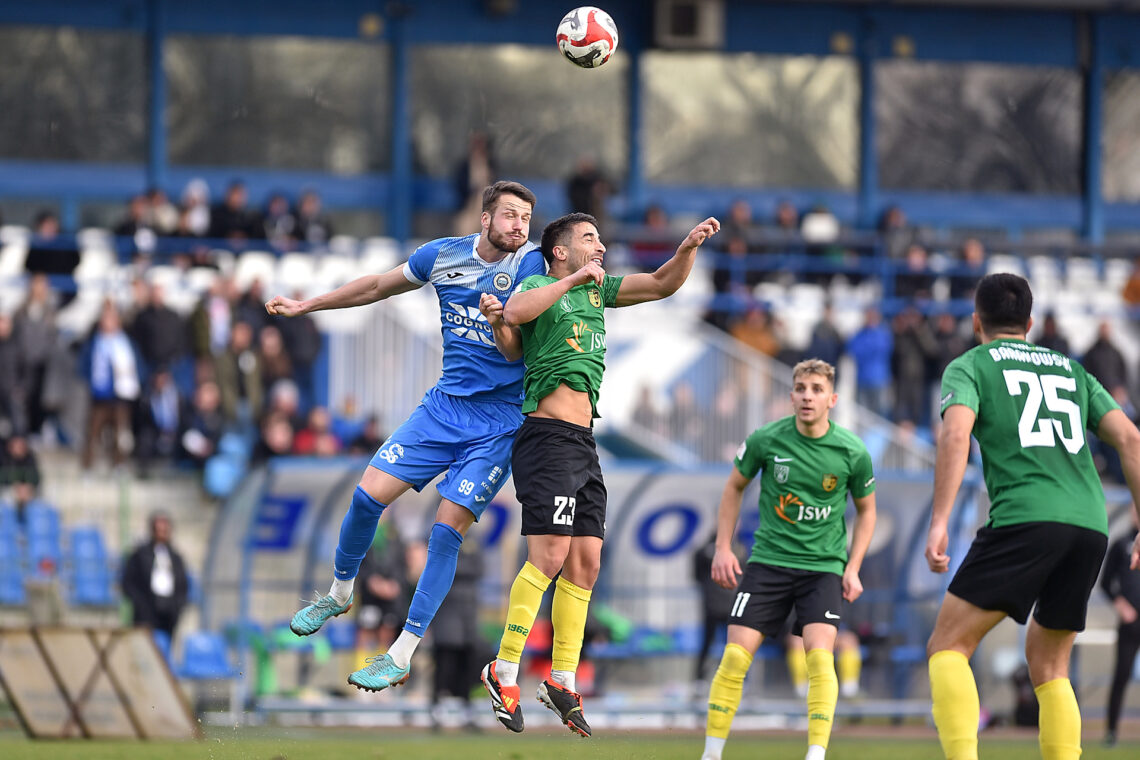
<point>295,271</point>
<point>334,271</point>
<point>255,265</point>
<point>343,245</point>
<point>1116,273</point>
<point>95,264</point>
<point>95,237</point>
<point>167,277</point>
<point>12,258</point>
<point>200,279</point>
<point>14,233</point>
<point>1003,262</point>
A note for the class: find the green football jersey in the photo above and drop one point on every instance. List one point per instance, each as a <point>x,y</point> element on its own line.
<point>567,343</point>
<point>803,493</point>
<point>1033,406</point>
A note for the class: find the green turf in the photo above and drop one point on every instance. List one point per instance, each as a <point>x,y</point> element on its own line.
<point>403,744</point>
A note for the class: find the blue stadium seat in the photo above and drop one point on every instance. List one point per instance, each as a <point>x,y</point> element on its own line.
<point>41,521</point>
<point>9,525</point>
<point>93,588</point>
<point>205,657</point>
<point>222,474</point>
<point>341,636</point>
<point>87,545</point>
<point>88,568</point>
<point>12,588</point>
<point>44,554</point>
<point>11,570</point>
<point>162,641</point>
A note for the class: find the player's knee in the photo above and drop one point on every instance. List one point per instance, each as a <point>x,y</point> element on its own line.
<point>548,558</point>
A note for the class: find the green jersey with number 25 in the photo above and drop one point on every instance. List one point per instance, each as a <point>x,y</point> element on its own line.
<point>1034,406</point>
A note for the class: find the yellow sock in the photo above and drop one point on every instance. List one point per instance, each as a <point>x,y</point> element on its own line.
<point>526,597</point>
<point>956,709</point>
<point>568,616</point>
<point>727,689</point>
<point>823,691</point>
<point>797,667</point>
<point>1060,720</point>
<point>849,664</point>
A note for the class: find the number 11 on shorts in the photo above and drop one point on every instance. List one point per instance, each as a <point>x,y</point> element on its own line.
<point>564,510</point>
<point>739,605</point>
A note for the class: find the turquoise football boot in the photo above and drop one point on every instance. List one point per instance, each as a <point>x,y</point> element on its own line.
<point>380,673</point>
<point>311,618</point>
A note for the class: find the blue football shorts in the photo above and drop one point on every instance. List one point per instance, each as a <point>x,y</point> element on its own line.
<point>471,440</point>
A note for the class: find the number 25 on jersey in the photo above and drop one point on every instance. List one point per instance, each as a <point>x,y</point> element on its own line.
<point>1043,431</point>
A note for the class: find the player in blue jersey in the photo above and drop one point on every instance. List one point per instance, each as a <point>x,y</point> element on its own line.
<point>465,425</point>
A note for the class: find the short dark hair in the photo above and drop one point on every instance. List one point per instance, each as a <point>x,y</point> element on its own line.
<point>555,233</point>
<point>1003,301</point>
<point>493,192</point>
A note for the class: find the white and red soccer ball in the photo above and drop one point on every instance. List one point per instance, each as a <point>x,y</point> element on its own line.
<point>587,36</point>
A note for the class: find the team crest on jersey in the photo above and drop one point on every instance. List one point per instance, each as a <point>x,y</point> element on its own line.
<point>781,472</point>
<point>502,281</point>
<point>564,302</point>
<point>595,299</point>
<point>830,482</point>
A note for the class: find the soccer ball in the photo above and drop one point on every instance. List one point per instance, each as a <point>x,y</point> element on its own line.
<point>587,36</point>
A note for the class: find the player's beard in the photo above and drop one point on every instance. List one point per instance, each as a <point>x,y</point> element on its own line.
<point>504,242</point>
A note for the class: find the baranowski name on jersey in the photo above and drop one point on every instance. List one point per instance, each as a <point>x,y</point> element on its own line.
<point>468,323</point>
<point>1040,357</point>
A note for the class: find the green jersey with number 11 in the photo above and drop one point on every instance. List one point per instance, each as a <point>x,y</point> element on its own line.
<point>1033,406</point>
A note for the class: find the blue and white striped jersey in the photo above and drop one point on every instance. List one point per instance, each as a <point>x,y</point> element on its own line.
<point>472,366</point>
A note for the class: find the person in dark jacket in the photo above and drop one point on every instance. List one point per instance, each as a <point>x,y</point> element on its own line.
<point>1122,585</point>
<point>154,579</point>
<point>457,647</point>
<point>715,601</point>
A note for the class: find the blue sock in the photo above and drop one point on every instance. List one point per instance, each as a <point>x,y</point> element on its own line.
<point>435,581</point>
<point>357,530</point>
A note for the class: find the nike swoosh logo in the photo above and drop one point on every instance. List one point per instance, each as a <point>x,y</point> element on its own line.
<point>779,460</point>
<point>452,275</point>
<point>830,616</point>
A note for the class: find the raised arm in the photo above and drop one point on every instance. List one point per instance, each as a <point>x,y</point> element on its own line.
<point>363,290</point>
<point>1120,433</point>
<point>507,339</point>
<point>726,567</point>
<point>949,468</point>
<point>860,540</point>
<point>670,276</point>
<point>525,305</point>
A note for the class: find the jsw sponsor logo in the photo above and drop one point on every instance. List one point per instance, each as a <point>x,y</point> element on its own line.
<point>791,509</point>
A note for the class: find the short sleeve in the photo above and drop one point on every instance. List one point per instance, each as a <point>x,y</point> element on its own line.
<point>862,479</point>
<point>420,263</point>
<point>532,282</point>
<point>1100,401</point>
<point>610,287</point>
<point>532,264</point>
<point>750,456</point>
<point>959,385</point>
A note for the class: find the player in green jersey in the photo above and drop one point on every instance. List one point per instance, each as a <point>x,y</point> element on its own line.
<point>1028,407</point>
<point>799,555</point>
<point>561,333</point>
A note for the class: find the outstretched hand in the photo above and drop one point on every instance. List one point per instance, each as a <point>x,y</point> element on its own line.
<point>491,308</point>
<point>701,233</point>
<point>284,307</point>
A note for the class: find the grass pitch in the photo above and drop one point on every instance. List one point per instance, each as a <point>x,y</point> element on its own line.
<point>404,744</point>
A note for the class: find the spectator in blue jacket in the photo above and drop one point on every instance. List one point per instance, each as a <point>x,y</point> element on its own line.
<point>871,348</point>
<point>113,381</point>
